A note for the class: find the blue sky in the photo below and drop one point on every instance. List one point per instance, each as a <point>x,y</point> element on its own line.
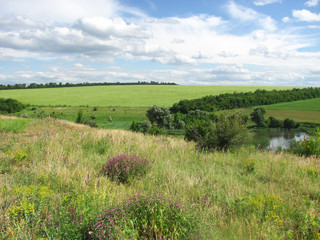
<point>203,42</point>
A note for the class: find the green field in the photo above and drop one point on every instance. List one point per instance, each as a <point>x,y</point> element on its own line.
<point>127,96</point>
<point>304,105</point>
<point>122,117</point>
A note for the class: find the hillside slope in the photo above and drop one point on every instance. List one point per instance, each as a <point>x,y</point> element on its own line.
<point>48,166</point>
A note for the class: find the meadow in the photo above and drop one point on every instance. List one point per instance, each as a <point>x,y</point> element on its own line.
<point>125,96</point>
<point>52,186</point>
<point>127,103</point>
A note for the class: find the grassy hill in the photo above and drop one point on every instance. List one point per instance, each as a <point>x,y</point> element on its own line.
<point>50,176</point>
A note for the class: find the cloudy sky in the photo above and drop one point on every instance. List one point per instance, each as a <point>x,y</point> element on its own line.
<point>203,42</point>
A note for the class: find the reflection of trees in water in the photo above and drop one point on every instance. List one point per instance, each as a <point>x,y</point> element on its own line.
<point>266,139</point>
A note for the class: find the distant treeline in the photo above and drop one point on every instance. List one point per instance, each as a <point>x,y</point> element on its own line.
<point>243,100</point>
<point>57,85</point>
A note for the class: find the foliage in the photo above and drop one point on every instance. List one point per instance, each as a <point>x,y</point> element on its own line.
<point>243,100</point>
<point>160,116</point>
<point>83,120</point>
<point>310,146</point>
<point>146,217</point>
<point>123,168</point>
<point>274,123</point>
<point>222,134</point>
<point>80,118</point>
<point>289,124</point>
<point>257,116</point>
<point>10,105</point>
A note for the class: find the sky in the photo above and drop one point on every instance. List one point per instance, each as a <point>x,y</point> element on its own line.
<point>188,42</point>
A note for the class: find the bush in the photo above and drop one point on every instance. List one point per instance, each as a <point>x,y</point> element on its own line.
<point>80,118</point>
<point>223,134</point>
<point>309,146</point>
<point>274,123</point>
<point>10,105</point>
<point>146,217</point>
<point>123,168</point>
<point>160,116</point>
<point>154,130</point>
<point>289,124</point>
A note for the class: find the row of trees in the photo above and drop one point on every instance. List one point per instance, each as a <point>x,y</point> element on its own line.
<point>257,116</point>
<point>244,100</point>
<point>56,85</point>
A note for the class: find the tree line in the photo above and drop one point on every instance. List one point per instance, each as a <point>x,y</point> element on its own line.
<point>57,85</point>
<point>244,100</point>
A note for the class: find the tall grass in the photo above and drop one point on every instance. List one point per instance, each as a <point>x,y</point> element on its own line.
<point>58,190</point>
<point>13,125</point>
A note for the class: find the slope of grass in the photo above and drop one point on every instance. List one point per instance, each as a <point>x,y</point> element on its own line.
<point>305,105</point>
<point>121,117</point>
<point>129,96</point>
<point>51,185</point>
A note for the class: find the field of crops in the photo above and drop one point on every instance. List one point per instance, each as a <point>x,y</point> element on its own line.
<point>128,96</point>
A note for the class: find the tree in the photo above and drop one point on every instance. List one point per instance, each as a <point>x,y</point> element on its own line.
<point>257,116</point>
<point>160,116</point>
<point>10,105</point>
<point>289,124</point>
<point>274,123</point>
<point>222,134</point>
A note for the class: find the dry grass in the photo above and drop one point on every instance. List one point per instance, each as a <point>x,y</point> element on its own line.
<point>246,194</point>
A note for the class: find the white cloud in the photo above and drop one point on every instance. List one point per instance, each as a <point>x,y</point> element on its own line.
<point>265,2</point>
<point>286,19</point>
<point>305,15</point>
<point>312,3</point>
<point>59,10</point>
<point>100,36</point>
<point>106,27</point>
<point>251,16</point>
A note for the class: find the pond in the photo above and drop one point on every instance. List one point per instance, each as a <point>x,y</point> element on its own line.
<point>272,139</point>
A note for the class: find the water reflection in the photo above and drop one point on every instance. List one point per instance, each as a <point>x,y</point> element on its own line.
<point>273,139</point>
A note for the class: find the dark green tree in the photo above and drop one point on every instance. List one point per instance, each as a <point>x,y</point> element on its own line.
<point>274,123</point>
<point>160,116</point>
<point>257,116</point>
<point>222,134</point>
<point>289,124</point>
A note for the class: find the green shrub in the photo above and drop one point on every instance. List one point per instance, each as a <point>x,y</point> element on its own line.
<point>146,217</point>
<point>10,105</point>
<point>123,168</point>
<point>223,134</point>
<point>80,118</point>
<point>309,146</point>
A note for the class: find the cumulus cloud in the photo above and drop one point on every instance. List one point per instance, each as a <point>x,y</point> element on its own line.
<point>312,3</point>
<point>265,2</point>
<point>251,16</point>
<point>106,27</point>
<point>306,15</point>
<point>59,10</point>
<point>103,35</point>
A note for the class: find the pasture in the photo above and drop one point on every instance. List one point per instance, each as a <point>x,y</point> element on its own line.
<point>305,105</point>
<point>125,96</point>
